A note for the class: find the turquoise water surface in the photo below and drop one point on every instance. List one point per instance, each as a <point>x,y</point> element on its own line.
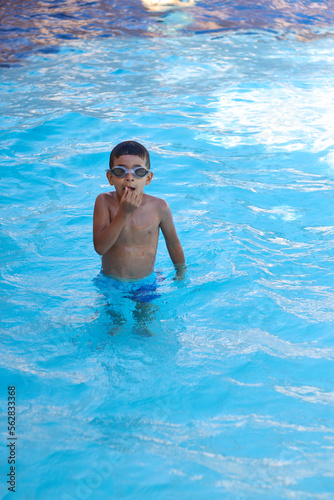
<point>222,386</point>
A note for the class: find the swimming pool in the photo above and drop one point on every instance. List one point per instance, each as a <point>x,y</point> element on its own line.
<point>229,394</point>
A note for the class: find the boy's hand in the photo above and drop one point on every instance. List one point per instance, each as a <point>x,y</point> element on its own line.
<point>130,201</point>
<point>180,272</point>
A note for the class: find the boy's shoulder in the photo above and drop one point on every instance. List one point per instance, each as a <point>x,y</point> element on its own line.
<point>105,196</point>
<point>154,200</point>
<point>105,199</point>
<point>110,195</point>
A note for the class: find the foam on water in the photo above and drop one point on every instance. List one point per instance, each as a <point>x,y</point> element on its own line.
<point>232,395</point>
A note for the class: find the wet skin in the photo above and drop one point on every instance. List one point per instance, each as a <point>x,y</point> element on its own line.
<point>126,225</point>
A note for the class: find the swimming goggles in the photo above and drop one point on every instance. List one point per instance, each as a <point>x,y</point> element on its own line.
<point>120,172</point>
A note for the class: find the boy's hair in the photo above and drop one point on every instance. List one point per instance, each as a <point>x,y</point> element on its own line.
<point>129,148</point>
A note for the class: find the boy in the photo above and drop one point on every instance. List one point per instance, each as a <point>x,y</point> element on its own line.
<point>127,221</point>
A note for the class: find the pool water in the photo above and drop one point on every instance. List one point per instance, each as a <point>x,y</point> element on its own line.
<point>221,386</point>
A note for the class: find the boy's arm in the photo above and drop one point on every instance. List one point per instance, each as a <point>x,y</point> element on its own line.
<point>106,232</point>
<point>172,241</point>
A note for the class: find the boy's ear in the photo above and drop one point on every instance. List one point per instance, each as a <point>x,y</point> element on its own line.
<point>149,177</point>
<point>109,177</point>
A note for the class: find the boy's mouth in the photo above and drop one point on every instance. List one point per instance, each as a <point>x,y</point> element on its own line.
<point>130,187</point>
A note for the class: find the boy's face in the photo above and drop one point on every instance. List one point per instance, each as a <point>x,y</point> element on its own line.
<point>129,180</point>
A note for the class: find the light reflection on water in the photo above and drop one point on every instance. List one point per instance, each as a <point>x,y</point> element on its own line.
<point>46,25</point>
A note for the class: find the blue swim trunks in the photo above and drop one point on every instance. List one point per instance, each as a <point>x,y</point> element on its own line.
<point>145,290</point>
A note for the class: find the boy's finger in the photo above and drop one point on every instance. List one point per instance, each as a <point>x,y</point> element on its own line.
<point>131,197</point>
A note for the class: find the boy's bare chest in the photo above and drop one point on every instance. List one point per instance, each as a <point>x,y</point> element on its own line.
<point>141,226</point>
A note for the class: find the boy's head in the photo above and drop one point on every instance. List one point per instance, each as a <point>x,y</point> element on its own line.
<point>129,168</point>
<point>129,148</point>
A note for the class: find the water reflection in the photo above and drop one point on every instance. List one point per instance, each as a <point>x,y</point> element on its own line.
<point>162,5</point>
<point>47,24</point>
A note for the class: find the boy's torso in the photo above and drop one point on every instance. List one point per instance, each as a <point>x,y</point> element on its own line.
<point>133,254</point>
